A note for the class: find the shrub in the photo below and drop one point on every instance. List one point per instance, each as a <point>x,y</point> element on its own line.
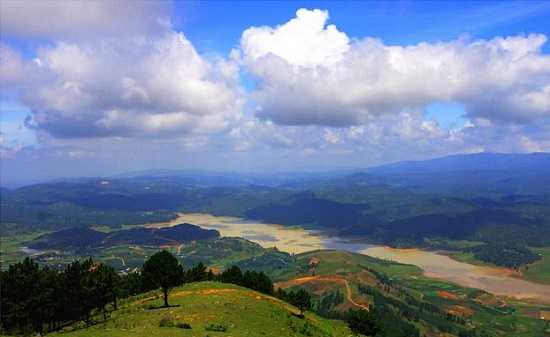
<point>166,323</point>
<point>183,326</point>
<point>216,327</point>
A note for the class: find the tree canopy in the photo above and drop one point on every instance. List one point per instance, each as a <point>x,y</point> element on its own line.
<point>162,270</point>
<point>363,322</point>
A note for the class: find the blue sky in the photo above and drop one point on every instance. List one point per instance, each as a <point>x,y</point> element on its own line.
<point>395,22</point>
<point>97,88</point>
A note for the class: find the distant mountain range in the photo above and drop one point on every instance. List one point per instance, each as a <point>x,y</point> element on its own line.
<point>482,173</point>
<point>470,166</point>
<point>502,197</point>
<point>468,174</point>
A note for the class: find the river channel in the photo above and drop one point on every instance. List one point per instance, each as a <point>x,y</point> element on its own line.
<point>434,264</point>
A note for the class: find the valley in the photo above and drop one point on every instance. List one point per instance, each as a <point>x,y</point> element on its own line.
<point>434,264</point>
<point>413,254</point>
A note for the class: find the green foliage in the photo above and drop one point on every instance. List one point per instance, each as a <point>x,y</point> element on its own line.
<point>162,270</point>
<point>232,275</point>
<point>105,282</point>
<point>510,256</point>
<point>251,279</point>
<point>301,299</point>
<point>216,327</point>
<point>33,297</point>
<point>167,322</point>
<point>58,206</point>
<point>198,274</point>
<point>327,303</point>
<point>258,281</point>
<point>21,302</point>
<point>130,285</point>
<point>363,322</point>
<point>186,326</point>
<point>306,328</point>
<point>272,261</point>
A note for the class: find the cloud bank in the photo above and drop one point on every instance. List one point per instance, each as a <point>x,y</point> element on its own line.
<point>136,84</point>
<point>115,77</point>
<point>312,74</point>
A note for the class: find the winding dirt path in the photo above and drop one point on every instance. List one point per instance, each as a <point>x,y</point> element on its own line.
<point>298,281</point>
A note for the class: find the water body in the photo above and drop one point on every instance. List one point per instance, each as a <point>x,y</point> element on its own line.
<point>297,240</point>
<point>492,279</point>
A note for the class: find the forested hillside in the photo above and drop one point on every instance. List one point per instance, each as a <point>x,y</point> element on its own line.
<point>487,198</point>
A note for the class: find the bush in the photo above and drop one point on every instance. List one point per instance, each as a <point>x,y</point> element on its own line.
<point>183,326</point>
<point>169,323</point>
<point>216,327</point>
<point>166,323</point>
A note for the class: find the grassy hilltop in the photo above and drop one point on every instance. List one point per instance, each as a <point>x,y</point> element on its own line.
<point>210,309</point>
<point>406,302</point>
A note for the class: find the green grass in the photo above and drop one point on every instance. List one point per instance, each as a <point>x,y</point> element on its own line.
<point>540,271</point>
<point>208,308</point>
<point>10,247</point>
<point>466,258</point>
<point>350,263</point>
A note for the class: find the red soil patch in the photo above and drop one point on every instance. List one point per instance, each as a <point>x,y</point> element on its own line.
<point>446,294</point>
<point>320,283</point>
<point>313,262</point>
<point>489,300</point>
<point>402,249</point>
<point>298,281</point>
<point>459,310</point>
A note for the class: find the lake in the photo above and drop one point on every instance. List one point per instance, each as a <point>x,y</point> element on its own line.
<point>434,264</point>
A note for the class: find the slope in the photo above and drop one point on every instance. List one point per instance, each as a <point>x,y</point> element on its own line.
<point>209,308</point>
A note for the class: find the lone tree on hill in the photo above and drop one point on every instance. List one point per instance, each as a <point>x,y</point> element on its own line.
<point>301,300</point>
<point>162,270</point>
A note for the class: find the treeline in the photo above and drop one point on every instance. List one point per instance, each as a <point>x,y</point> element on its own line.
<point>36,299</point>
<point>42,299</point>
<point>509,256</point>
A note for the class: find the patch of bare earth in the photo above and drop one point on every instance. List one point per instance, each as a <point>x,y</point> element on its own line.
<point>448,295</point>
<point>460,310</point>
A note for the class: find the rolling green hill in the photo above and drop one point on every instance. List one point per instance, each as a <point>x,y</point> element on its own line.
<point>209,308</point>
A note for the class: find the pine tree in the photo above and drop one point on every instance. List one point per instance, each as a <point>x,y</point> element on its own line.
<point>301,300</point>
<point>363,322</point>
<point>19,297</point>
<point>233,275</point>
<point>162,270</point>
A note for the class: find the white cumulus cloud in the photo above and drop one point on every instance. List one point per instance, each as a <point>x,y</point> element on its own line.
<point>123,87</point>
<point>312,74</point>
